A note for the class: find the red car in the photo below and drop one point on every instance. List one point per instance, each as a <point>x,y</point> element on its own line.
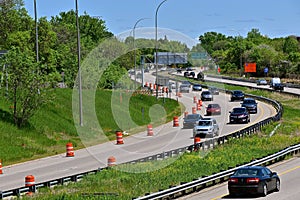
<point>213,109</point>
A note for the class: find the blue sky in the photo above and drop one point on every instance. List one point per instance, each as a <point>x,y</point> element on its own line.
<point>274,18</point>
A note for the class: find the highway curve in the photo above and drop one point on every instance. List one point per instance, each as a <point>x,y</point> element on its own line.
<point>166,137</point>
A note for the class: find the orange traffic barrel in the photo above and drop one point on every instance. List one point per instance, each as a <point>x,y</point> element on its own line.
<point>198,106</point>
<point>70,149</point>
<point>119,136</point>
<point>186,113</point>
<point>200,102</point>
<point>146,84</point>
<point>194,110</point>
<point>151,86</point>
<point>29,181</point>
<point>197,142</point>
<point>179,94</point>
<point>149,130</point>
<point>195,99</point>
<point>1,167</point>
<point>175,121</point>
<point>111,161</point>
<point>155,86</point>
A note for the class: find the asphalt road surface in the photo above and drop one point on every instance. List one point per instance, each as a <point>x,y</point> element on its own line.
<point>289,173</point>
<point>166,137</point>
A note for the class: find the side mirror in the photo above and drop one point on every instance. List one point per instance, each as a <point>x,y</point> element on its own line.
<point>273,173</point>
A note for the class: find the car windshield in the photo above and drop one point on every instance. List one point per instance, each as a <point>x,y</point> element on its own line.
<point>205,123</point>
<point>249,101</point>
<point>239,110</point>
<point>213,106</point>
<point>206,93</point>
<point>246,172</point>
<point>237,92</point>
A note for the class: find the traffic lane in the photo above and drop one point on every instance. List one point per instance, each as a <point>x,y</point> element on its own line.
<point>289,173</point>
<point>287,89</point>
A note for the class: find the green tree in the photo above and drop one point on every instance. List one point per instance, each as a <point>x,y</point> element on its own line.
<point>290,45</point>
<point>27,85</point>
<point>13,17</point>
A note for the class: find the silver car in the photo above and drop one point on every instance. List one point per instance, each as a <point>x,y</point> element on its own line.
<point>184,88</point>
<point>206,127</point>
<point>190,120</point>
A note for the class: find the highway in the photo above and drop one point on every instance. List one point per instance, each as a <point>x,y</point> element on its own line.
<point>166,137</point>
<point>289,173</point>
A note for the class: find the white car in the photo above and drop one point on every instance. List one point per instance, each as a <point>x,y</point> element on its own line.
<point>206,127</point>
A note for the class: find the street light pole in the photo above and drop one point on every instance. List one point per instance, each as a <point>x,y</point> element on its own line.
<point>135,50</point>
<point>156,57</point>
<point>79,69</point>
<point>36,33</point>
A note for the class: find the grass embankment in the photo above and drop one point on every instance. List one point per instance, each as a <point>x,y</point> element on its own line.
<point>52,126</point>
<point>116,183</point>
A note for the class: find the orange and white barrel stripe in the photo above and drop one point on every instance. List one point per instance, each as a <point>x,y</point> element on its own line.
<point>1,172</point>
<point>149,130</point>
<point>69,149</point>
<point>111,161</point>
<point>119,136</point>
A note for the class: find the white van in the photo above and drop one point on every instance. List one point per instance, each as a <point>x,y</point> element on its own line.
<point>274,81</point>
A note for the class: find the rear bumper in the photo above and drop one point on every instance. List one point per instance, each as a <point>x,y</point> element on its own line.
<point>247,189</point>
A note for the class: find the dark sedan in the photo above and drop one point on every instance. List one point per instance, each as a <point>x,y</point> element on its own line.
<point>239,115</point>
<point>237,95</point>
<point>190,120</point>
<point>250,104</point>
<point>253,180</point>
<point>213,109</point>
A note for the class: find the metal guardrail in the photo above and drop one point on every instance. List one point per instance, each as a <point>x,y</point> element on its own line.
<point>204,145</point>
<point>203,182</point>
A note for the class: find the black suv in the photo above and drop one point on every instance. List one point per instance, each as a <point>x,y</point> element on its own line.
<point>250,104</point>
<point>239,115</point>
<point>237,95</point>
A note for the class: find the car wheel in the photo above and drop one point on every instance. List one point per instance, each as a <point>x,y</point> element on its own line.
<point>277,188</point>
<point>265,190</point>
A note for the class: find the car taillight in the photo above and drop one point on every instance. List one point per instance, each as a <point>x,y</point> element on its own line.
<point>233,180</point>
<point>252,180</point>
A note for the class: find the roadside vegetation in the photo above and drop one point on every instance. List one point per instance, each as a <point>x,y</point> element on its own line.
<point>52,126</point>
<point>114,183</point>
